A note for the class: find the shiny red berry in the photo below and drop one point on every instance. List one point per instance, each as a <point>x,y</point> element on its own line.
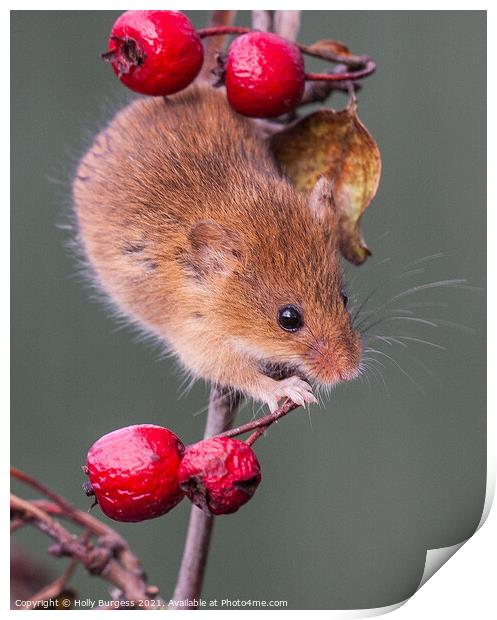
<point>155,52</point>
<point>219,474</point>
<point>133,472</point>
<point>265,75</point>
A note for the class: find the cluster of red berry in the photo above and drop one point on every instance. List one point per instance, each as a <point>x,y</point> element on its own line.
<point>160,53</point>
<point>141,472</point>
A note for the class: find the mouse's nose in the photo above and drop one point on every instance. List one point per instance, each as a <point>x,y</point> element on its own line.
<point>332,362</point>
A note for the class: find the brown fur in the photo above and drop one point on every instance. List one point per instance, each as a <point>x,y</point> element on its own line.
<point>191,231</point>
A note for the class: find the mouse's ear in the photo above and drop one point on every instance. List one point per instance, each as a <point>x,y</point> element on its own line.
<point>214,248</point>
<point>322,202</point>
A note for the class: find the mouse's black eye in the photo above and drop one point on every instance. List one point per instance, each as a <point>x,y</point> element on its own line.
<point>345,299</point>
<point>290,318</point>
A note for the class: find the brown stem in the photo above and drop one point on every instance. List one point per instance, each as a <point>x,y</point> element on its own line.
<point>217,31</point>
<point>255,435</point>
<point>215,43</point>
<point>320,91</point>
<point>222,408</point>
<point>368,69</point>
<point>262,423</point>
<point>44,490</point>
<point>97,559</point>
<point>53,589</point>
<point>67,541</point>
<point>262,20</point>
<point>123,551</point>
<point>287,24</point>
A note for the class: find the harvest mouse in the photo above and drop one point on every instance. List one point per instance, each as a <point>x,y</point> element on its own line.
<point>195,236</point>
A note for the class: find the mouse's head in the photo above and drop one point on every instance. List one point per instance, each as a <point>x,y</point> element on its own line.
<point>281,296</point>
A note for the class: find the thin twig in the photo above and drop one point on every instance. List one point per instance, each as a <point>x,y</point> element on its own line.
<point>368,68</point>
<point>287,24</point>
<point>53,590</point>
<point>44,490</point>
<point>221,31</point>
<point>222,408</point>
<point>214,45</point>
<point>319,91</point>
<point>99,559</point>
<point>261,423</point>
<point>123,551</point>
<point>69,543</point>
<point>262,20</point>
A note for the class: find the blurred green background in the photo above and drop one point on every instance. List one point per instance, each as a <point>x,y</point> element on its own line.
<point>355,491</point>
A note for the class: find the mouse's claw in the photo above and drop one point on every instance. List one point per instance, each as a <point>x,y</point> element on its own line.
<point>294,388</point>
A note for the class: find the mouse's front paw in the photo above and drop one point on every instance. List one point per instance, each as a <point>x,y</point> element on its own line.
<point>294,388</point>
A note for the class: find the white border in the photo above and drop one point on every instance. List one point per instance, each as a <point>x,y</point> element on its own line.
<point>465,586</point>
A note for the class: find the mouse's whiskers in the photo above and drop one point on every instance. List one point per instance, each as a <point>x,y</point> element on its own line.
<point>408,271</point>
<point>374,352</point>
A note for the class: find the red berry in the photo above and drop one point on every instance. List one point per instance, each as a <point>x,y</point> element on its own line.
<point>219,474</point>
<point>155,52</point>
<point>264,75</point>
<point>133,472</point>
